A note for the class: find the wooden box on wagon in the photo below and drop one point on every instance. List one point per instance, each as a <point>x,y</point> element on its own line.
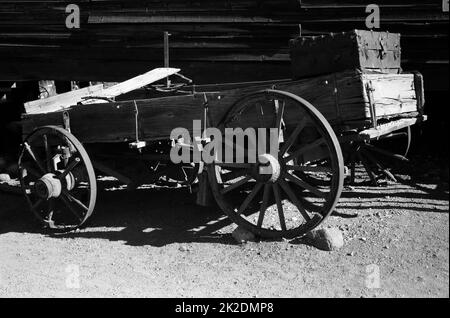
<point>367,51</point>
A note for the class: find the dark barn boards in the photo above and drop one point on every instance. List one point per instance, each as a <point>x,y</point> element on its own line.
<point>212,40</point>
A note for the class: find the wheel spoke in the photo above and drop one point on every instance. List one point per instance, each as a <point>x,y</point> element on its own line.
<point>33,156</point>
<point>65,200</point>
<point>69,168</point>
<point>305,185</point>
<point>37,204</point>
<point>264,205</point>
<point>305,148</point>
<point>250,198</point>
<point>276,192</point>
<point>48,156</point>
<point>309,169</point>
<point>286,188</point>
<point>51,205</point>
<point>260,114</point>
<point>71,198</point>
<point>232,175</point>
<point>280,113</point>
<point>234,165</point>
<point>293,137</point>
<point>236,185</point>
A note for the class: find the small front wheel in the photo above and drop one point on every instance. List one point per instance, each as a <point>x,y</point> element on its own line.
<point>57,178</point>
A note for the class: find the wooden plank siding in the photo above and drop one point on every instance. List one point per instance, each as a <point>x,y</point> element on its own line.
<point>212,40</point>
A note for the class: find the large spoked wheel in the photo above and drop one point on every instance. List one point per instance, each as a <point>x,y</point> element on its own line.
<point>275,197</point>
<point>57,178</point>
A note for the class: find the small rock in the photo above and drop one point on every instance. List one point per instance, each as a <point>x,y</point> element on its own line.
<point>241,235</point>
<point>351,254</point>
<point>183,248</point>
<point>363,239</point>
<point>5,177</point>
<point>326,239</point>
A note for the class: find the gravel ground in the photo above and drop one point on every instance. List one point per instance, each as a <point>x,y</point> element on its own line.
<point>157,243</point>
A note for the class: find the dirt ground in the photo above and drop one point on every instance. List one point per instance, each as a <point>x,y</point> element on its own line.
<point>158,243</point>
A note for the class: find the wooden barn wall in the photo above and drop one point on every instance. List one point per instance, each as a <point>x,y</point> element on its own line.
<point>212,40</point>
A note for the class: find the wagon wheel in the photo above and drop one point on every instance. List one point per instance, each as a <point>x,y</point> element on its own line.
<point>272,197</point>
<point>57,178</point>
<point>371,153</point>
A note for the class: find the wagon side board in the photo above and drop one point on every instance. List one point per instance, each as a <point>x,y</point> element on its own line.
<point>341,97</point>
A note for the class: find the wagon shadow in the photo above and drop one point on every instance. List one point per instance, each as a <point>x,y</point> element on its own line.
<point>163,216</point>
<point>155,217</point>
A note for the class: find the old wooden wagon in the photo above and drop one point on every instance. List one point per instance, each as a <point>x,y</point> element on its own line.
<point>282,195</point>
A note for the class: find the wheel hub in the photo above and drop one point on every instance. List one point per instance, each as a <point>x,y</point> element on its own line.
<point>269,169</point>
<point>48,187</point>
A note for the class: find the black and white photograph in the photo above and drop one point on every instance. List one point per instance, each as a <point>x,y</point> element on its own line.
<point>224,154</point>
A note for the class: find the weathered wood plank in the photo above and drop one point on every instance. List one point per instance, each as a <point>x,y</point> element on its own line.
<point>138,82</point>
<point>61,101</point>
<point>392,94</point>
<point>391,127</point>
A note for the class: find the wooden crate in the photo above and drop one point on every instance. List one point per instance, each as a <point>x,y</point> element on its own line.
<point>364,50</point>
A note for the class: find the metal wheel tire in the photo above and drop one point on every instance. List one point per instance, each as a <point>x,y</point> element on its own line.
<point>281,203</point>
<point>57,178</point>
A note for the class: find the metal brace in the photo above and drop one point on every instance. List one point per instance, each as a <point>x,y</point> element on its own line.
<point>66,121</point>
<point>373,113</point>
<point>137,144</point>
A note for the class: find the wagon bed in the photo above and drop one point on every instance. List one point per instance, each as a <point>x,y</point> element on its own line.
<point>348,100</point>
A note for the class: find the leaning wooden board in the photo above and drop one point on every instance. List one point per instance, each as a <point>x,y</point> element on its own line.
<point>341,97</point>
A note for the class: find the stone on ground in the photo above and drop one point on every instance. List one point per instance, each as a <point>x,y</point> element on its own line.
<point>242,235</point>
<point>326,239</point>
